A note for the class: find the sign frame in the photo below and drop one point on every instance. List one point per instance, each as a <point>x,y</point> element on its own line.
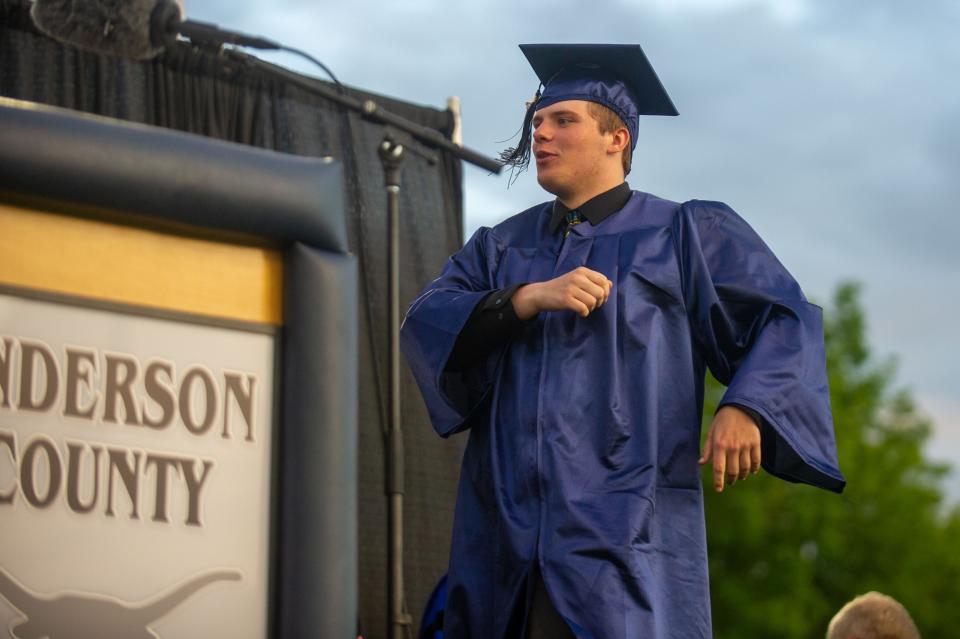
<point>139,176</point>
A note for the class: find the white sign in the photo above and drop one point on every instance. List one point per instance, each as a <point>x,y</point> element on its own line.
<point>135,474</point>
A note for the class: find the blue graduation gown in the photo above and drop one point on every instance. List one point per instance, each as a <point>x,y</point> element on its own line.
<point>585,432</point>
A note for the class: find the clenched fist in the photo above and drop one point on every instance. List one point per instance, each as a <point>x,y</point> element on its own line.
<point>581,291</point>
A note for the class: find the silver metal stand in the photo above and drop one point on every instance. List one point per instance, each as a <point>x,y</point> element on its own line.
<point>391,156</point>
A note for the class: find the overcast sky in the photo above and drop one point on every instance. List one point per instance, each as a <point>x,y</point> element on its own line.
<point>831,126</point>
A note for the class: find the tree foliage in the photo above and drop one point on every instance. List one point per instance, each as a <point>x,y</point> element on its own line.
<point>784,557</point>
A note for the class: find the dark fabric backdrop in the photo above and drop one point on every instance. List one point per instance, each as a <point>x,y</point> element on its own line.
<point>229,98</point>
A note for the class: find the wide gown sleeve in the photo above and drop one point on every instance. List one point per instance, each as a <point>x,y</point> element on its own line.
<point>761,338</point>
<point>432,325</point>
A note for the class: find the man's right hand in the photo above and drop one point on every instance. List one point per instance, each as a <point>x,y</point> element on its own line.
<point>581,291</point>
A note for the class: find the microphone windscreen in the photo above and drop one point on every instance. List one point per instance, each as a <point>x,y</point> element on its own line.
<point>112,27</point>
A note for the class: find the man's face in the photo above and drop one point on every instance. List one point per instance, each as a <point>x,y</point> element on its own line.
<point>569,149</point>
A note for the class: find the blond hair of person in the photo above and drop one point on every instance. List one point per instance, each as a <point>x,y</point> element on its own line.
<point>873,616</point>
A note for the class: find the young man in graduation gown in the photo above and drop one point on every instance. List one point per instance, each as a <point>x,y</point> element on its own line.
<point>571,342</point>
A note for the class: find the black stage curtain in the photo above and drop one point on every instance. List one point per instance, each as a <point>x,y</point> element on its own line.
<point>231,98</point>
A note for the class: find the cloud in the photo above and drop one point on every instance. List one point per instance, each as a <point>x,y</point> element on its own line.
<point>785,11</point>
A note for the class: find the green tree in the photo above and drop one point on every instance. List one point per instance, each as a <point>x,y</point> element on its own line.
<point>784,557</point>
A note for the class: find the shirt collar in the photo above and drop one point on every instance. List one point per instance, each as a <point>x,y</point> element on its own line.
<point>596,209</point>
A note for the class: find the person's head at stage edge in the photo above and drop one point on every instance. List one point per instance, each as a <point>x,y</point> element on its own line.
<point>582,126</point>
<point>873,616</point>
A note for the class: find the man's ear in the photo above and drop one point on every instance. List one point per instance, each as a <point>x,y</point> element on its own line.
<point>620,140</point>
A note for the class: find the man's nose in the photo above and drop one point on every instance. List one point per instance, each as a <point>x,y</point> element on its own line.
<point>542,132</point>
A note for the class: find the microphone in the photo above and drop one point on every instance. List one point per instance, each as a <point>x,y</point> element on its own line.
<point>139,29</point>
<point>112,27</point>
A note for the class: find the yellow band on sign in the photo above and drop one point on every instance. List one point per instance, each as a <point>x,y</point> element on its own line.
<point>99,260</point>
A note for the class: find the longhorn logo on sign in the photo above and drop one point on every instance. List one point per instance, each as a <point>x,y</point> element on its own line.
<point>75,614</point>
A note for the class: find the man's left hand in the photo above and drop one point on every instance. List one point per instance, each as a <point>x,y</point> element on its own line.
<point>733,443</point>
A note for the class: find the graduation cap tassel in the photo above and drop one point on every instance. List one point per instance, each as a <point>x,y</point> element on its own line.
<point>518,157</point>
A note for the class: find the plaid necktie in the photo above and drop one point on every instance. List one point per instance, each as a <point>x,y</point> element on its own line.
<point>573,218</point>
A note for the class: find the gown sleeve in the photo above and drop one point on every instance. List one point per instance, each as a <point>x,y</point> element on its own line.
<point>761,338</point>
<point>433,323</point>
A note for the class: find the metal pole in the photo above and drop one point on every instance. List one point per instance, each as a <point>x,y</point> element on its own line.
<point>391,156</point>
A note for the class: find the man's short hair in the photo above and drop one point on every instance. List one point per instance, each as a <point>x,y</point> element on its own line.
<point>873,616</point>
<point>609,122</point>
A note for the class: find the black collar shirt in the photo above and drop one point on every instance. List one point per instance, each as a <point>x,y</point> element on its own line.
<point>594,210</point>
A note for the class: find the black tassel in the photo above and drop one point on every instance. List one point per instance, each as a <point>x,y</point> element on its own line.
<point>518,157</point>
